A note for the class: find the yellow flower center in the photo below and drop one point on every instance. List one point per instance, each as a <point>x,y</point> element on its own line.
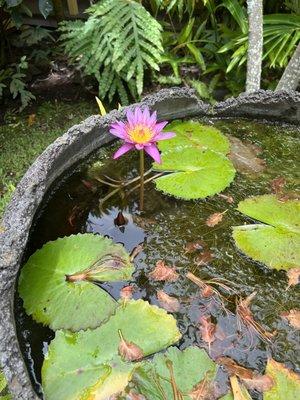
<point>140,134</point>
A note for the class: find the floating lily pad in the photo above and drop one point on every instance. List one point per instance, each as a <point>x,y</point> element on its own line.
<point>196,174</point>
<point>192,133</point>
<point>270,210</point>
<point>286,383</point>
<point>182,370</point>
<point>84,363</point>
<point>277,246</point>
<point>53,300</point>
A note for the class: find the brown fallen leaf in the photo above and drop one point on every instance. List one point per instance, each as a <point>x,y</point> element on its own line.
<point>192,247</point>
<point>229,199</point>
<point>261,383</point>
<point>162,272</point>
<point>238,390</point>
<point>293,318</point>
<point>204,258</point>
<point>215,219</point>
<point>206,290</point>
<point>277,185</point>
<point>126,292</point>
<point>128,350</point>
<point>235,369</point>
<point>207,329</point>
<point>293,275</point>
<point>169,303</point>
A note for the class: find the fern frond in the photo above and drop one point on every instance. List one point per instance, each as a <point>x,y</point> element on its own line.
<point>117,43</point>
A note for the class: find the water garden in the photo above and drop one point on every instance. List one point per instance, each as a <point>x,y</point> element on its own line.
<point>149,240</point>
<point>167,268</point>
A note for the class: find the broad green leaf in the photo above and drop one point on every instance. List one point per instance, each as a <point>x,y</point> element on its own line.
<point>53,299</point>
<point>78,364</point>
<point>197,174</point>
<point>270,210</point>
<point>276,245</point>
<point>192,133</point>
<point>182,370</point>
<point>286,382</point>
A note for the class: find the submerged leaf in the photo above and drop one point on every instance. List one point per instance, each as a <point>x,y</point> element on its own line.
<point>192,133</point>
<point>215,219</point>
<point>244,156</point>
<point>167,302</point>
<point>286,382</point>
<point>194,174</point>
<point>277,185</point>
<point>229,199</point>
<point>126,292</point>
<point>87,362</point>
<point>204,258</point>
<point>278,246</point>
<point>51,295</point>
<point>192,247</point>
<point>174,374</point>
<point>207,329</point>
<point>293,317</point>
<point>162,272</point>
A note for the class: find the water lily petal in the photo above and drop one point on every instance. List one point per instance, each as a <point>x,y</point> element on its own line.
<point>146,116</point>
<point>165,135</point>
<point>123,149</point>
<point>153,152</point>
<point>153,118</point>
<point>139,146</point>
<point>119,132</point>
<point>130,117</point>
<point>160,126</point>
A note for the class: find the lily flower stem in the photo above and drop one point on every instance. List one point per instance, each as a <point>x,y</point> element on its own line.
<point>142,170</point>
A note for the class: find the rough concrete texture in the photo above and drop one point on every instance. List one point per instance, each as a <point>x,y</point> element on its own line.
<point>75,144</point>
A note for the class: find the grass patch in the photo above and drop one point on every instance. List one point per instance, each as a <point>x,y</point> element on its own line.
<point>24,137</point>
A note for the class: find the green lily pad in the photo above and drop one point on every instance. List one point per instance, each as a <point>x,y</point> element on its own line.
<point>286,383</point>
<point>78,364</point>
<point>276,245</point>
<point>192,133</point>
<point>196,174</point>
<point>183,370</point>
<point>53,300</point>
<point>270,210</point>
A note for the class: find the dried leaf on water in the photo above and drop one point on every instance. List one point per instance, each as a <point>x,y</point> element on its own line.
<point>215,219</point>
<point>192,247</point>
<point>169,303</point>
<point>228,198</point>
<point>163,272</point>
<point>136,251</point>
<point>238,389</point>
<point>207,329</point>
<point>293,318</point>
<point>129,351</point>
<point>126,292</point>
<point>206,290</point>
<point>293,275</point>
<point>235,369</point>
<point>204,258</point>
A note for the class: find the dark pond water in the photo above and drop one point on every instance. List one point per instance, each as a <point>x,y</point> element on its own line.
<point>165,227</point>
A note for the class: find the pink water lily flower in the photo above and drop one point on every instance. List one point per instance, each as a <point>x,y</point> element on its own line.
<point>141,132</point>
